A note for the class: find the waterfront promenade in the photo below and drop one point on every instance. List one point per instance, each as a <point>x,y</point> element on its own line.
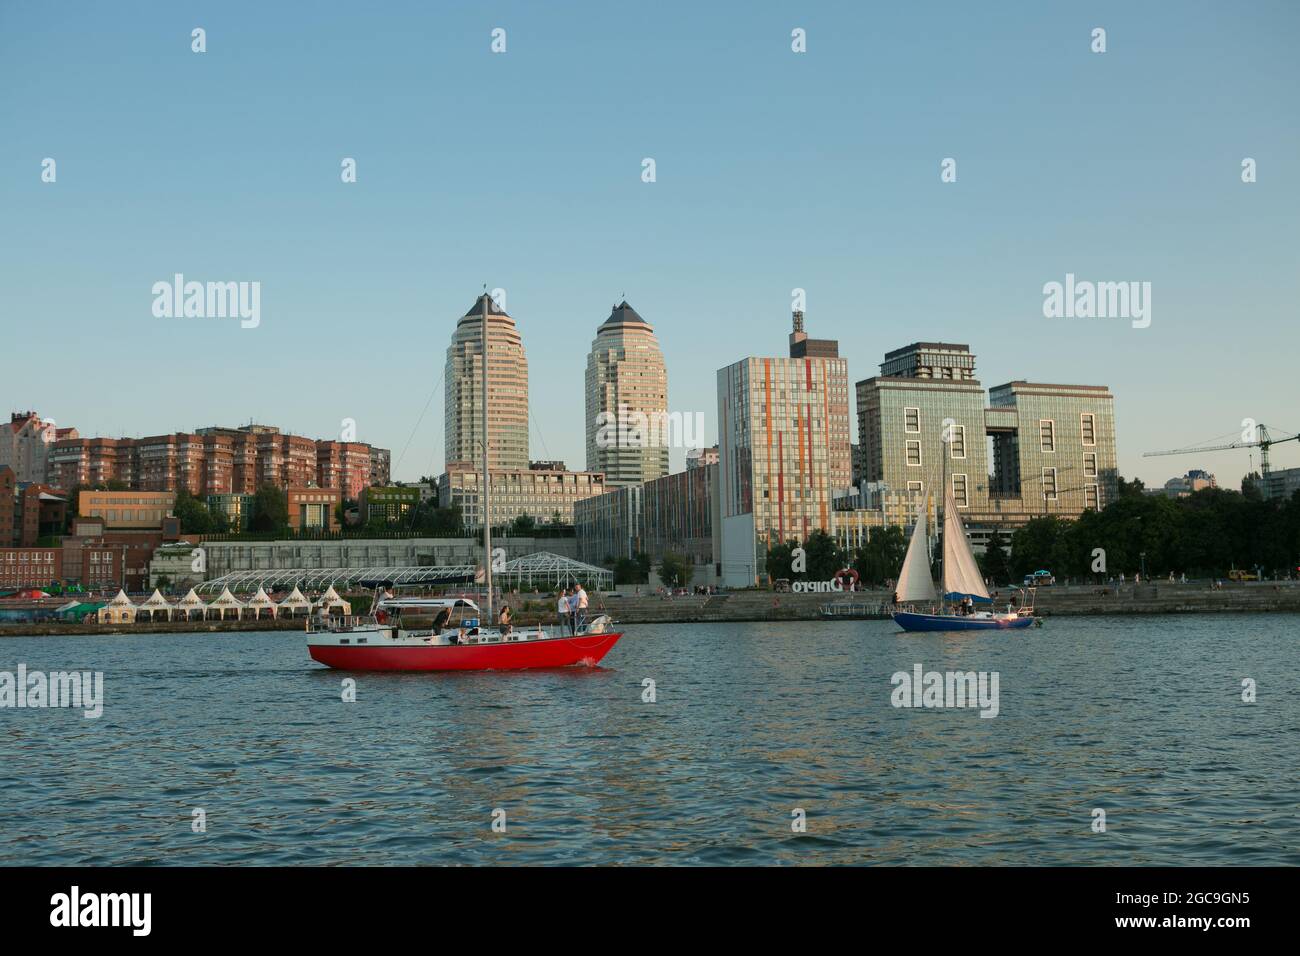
<point>630,608</point>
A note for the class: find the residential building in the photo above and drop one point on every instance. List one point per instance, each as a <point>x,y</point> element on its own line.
<point>311,507</point>
<point>540,493</point>
<point>803,347</point>
<point>216,461</point>
<point>507,425</point>
<point>30,567</point>
<point>381,461</point>
<point>237,508</point>
<point>39,511</point>
<point>783,449</point>
<point>390,504</point>
<point>1190,483</point>
<point>627,401</point>
<point>676,513</point>
<point>126,509</point>
<point>1031,449</point>
<point>8,506</point>
<point>701,457</point>
<point>25,445</point>
<point>1282,484</point>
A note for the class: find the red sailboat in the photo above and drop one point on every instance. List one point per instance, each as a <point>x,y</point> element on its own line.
<point>394,637</point>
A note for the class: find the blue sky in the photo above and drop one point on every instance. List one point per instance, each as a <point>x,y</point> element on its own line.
<point>522,170</point>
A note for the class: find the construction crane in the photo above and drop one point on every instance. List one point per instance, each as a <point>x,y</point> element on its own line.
<point>1263,441</point>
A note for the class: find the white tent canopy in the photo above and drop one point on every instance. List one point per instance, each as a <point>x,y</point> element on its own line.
<point>120,600</point>
<point>295,599</point>
<point>191,601</point>
<point>156,602</point>
<point>226,600</point>
<point>330,599</point>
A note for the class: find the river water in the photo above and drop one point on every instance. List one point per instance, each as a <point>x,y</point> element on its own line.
<point>1140,717</point>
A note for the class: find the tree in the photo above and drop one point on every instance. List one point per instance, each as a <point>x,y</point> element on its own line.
<point>193,514</point>
<point>994,564</point>
<point>1044,544</point>
<point>524,526</point>
<point>674,570</point>
<point>880,558</point>
<point>1126,489</point>
<point>780,559</point>
<point>1250,486</point>
<point>628,571</point>
<point>825,557</point>
<point>270,510</point>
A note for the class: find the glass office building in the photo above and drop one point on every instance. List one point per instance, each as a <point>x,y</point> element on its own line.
<point>1032,449</point>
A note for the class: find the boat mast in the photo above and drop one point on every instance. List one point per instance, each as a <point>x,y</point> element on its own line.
<point>940,502</point>
<point>486,507</point>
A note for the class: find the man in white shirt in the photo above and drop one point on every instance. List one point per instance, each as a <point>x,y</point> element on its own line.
<point>579,605</point>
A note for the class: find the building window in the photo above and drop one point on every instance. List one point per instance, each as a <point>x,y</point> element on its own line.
<point>914,454</point>
<point>1090,465</point>
<point>959,491</point>
<point>957,441</point>
<point>912,420</point>
<point>1090,497</point>
<point>1049,484</point>
<point>1088,426</point>
<point>1047,434</point>
<point>914,487</point>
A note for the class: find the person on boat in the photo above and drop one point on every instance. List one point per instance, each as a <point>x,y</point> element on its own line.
<point>578,604</point>
<point>563,609</point>
<point>504,618</point>
<point>442,620</point>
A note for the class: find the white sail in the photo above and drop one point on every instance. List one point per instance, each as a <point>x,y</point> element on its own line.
<point>961,575</point>
<point>914,581</point>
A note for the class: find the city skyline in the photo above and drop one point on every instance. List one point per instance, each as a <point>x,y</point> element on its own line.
<point>824,174</point>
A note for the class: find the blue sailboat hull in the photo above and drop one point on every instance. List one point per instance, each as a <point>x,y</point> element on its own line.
<point>909,621</point>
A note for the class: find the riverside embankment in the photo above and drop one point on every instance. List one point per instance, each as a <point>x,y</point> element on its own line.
<point>1158,598</point>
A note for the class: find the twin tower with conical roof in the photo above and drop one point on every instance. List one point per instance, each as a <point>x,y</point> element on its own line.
<point>626,387</point>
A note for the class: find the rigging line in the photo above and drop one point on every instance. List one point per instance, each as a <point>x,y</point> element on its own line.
<point>425,411</point>
<point>540,437</point>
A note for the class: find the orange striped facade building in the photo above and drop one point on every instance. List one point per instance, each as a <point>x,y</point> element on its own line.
<point>783,449</point>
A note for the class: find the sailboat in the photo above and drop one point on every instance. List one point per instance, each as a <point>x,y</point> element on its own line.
<point>960,579</point>
<point>420,634</point>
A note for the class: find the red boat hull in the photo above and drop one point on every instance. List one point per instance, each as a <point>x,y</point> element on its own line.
<point>522,655</point>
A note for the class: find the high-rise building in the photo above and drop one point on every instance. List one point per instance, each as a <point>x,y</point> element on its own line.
<point>1030,449</point>
<point>627,401</point>
<point>930,360</point>
<point>507,427</point>
<point>803,347</point>
<point>783,449</point>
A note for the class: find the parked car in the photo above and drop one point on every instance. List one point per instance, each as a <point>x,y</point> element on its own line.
<point>1039,579</point>
<point>1239,575</point>
<point>781,584</point>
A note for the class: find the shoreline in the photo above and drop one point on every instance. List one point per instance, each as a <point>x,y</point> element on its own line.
<point>756,606</point>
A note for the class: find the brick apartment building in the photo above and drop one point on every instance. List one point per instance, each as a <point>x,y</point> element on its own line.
<point>217,461</point>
